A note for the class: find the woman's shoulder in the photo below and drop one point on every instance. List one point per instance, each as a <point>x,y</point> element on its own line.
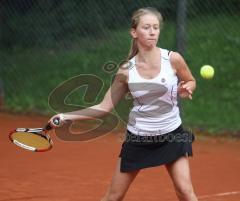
<point>176,59</point>
<point>123,71</point>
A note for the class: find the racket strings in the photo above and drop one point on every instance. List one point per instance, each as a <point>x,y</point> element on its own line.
<point>35,140</point>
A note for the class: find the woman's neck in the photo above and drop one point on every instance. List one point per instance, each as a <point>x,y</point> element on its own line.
<point>147,55</point>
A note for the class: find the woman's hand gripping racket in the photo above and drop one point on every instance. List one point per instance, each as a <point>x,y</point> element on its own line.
<point>34,139</point>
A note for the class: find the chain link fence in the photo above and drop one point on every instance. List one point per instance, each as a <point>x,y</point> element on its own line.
<point>46,42</point>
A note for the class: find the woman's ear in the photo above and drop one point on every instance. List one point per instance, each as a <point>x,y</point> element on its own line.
<point>133,33</point>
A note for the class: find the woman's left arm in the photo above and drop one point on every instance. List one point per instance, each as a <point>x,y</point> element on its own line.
<point>187,82</point>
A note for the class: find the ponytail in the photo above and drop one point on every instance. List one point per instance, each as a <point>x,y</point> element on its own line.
<point>133,49</point>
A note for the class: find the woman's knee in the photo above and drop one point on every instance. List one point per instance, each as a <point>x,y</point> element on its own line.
<point>185,192</point>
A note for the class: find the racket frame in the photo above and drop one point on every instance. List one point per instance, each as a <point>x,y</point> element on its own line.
<point>32,131</point>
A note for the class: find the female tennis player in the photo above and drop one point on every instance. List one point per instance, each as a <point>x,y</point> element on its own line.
<point>154,134</point>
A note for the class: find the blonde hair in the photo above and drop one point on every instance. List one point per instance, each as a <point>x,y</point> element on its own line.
<point>135,21</point>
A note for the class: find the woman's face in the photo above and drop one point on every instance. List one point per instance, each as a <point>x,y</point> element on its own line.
<point>147,31</point>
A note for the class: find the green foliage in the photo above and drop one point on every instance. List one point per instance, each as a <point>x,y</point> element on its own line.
<point>215,101</point>
<point>196,7</point>
<point>46,23</point>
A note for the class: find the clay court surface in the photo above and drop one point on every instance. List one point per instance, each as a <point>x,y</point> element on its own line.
<point>81,171</point>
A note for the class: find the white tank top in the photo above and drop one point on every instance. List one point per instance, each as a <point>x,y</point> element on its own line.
<point>155,110</point>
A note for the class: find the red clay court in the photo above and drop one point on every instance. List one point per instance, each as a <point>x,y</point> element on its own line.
<point>81,171</point>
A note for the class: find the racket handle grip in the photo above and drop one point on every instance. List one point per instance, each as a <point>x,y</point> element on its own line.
<point>48,127</point>
<point>56,122</point>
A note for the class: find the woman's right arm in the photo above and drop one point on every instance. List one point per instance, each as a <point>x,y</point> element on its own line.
<point>117,90</point>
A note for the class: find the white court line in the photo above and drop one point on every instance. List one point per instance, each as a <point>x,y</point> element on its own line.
<point>219,195</point>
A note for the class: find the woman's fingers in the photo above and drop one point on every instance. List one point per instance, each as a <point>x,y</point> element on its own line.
<point>184,90</point>
<point>181,83</point>
<point>57,120</point>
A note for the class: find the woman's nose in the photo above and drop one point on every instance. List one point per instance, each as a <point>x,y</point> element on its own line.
<point>152,31</point>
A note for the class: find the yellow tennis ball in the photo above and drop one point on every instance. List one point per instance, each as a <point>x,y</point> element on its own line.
<point>207,72</point>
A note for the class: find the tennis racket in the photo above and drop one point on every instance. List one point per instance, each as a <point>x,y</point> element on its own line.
<point>34,139</point>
